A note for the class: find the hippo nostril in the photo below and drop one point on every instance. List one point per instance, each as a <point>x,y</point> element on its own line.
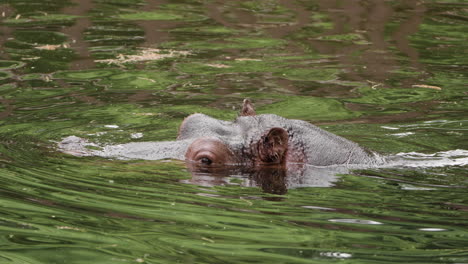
<point>206,161</point>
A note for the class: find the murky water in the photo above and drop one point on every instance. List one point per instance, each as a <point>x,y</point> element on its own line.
<point>390,75</point>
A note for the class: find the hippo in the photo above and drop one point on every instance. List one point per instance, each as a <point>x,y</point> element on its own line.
<point>266,139</point>
<point>250,140</point>
<point>266,151</point>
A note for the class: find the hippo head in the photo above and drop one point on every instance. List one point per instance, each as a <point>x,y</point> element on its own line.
<point>273,151</point>
<point>248,140</point>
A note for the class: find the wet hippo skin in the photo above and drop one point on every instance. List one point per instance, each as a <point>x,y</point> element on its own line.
<point>250,140</point>
<point>266,139</point>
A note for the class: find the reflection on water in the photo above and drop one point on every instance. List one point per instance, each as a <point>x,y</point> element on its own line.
<point>390,75</point>
<point>276,180</point>
<point>273,179</point>
<point>458,157</point>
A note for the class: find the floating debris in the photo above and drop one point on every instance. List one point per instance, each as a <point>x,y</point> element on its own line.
<point>52,47</point>
<point>247,59</point>
<point>207,239</point>
<point>426,86</point>
<point>146,55</point>
<point>218,65</point>
<point>374,85</point>
<point>30,58</point>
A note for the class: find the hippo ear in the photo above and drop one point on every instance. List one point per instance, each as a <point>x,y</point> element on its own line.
<point>247,108</point>
<point>273,146</point>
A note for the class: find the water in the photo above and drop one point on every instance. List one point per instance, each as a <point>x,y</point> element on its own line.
<point>390,75</point>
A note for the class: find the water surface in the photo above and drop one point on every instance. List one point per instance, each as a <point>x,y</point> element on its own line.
<point>390,75</point>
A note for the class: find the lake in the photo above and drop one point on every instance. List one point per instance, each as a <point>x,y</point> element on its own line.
<point>389,75</point>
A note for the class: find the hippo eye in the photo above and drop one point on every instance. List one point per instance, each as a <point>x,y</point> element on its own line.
<point>206,161</point>
<point>205,158</point>
<point>206,152</point>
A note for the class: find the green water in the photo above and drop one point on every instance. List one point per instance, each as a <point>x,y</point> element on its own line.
<point>390,75</point>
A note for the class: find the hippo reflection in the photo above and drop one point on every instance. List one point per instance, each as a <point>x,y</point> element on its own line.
<point>260,145</point>
<point>272,179</point>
